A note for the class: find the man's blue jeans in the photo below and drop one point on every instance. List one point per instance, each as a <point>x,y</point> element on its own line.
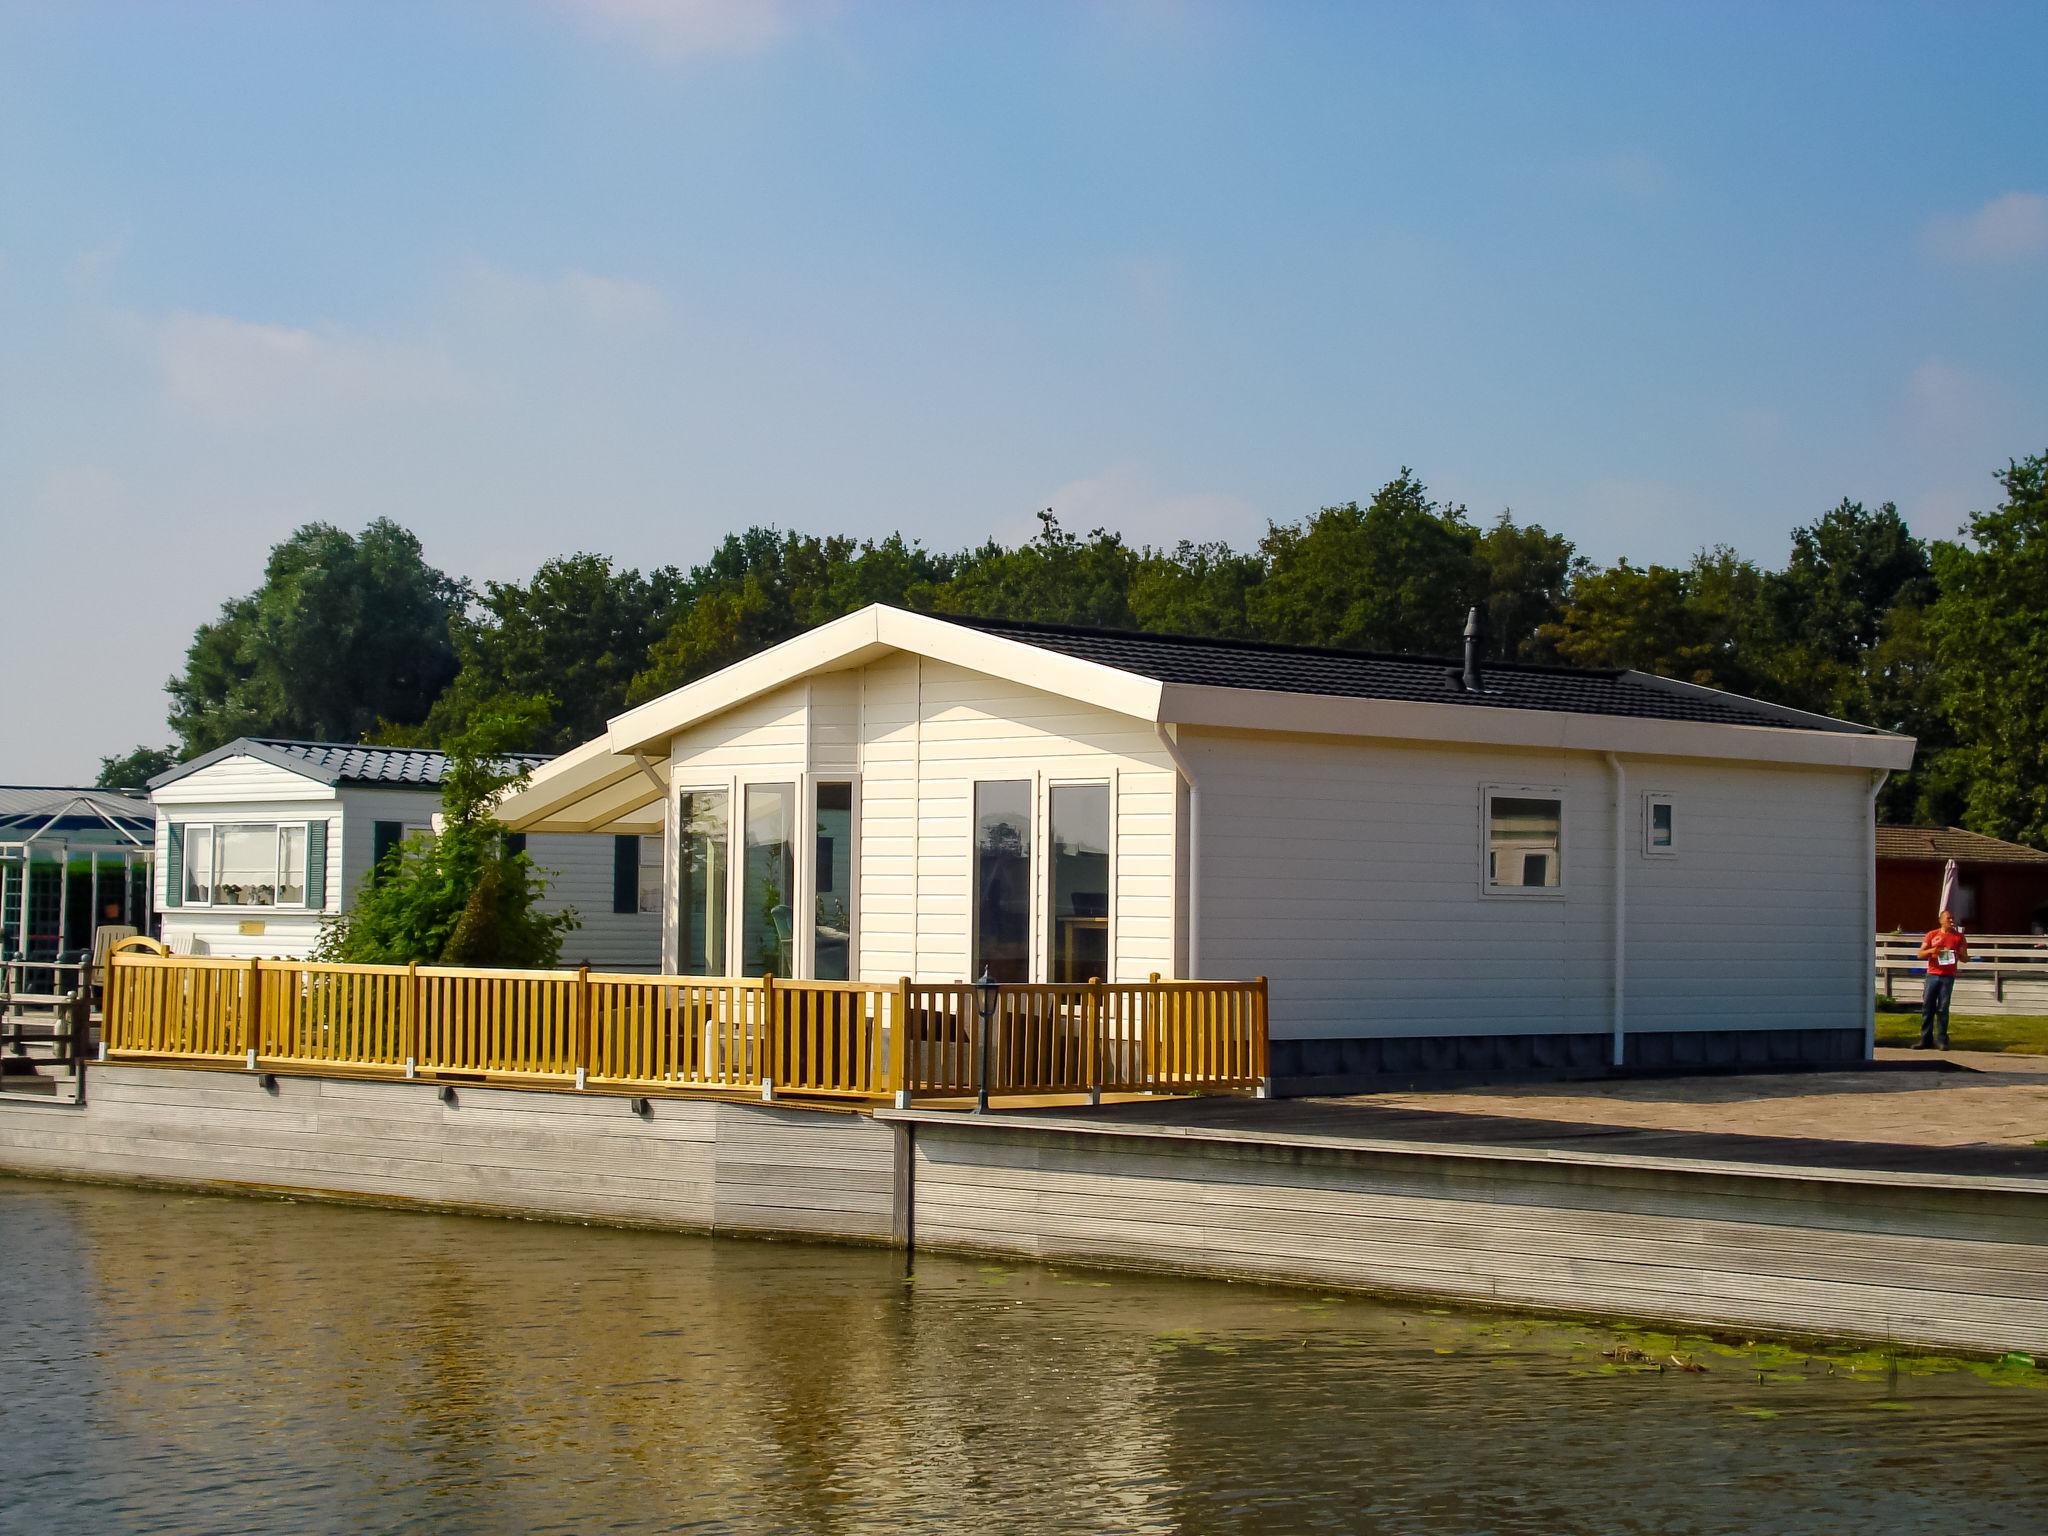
<point>1934,1006</point>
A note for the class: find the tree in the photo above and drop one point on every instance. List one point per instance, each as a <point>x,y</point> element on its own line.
<point>134,769</point>
<point>575,635</point>
<point>1195,589</point>
<point>462,896</point>
<point>1989,628</point>
<point>762,587</point>
<point>1397,574</point>
<point>1632,616</point>
<point>345,632</point>
<point>1528,576</point>
<point>1848,569</point>
<point>1056,578</point>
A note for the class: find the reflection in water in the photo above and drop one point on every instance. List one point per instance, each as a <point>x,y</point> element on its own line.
<point>175,1363</point>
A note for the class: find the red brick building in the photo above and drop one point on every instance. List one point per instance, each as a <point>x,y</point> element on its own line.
<point>2000,887</point>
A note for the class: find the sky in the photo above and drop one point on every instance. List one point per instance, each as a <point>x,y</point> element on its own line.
<point>539,276</point>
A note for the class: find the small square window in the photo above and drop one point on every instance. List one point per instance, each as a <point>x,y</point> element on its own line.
<point>1524,841</point>
<point>1660,825</point>
<point>650,874</point>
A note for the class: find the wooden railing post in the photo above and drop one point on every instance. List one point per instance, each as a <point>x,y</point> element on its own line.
<point>252,1013</point>
<point>409,1044</point>
<point>771,1039</point>
<point>1262,1061</point>
<point>583,1024</point>
<point>1094,1041</point>
<point>1153,1068</point>
<point>899,1046</point>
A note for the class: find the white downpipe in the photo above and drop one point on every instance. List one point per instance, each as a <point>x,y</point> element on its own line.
<point>1877,781</point>
<point>1187,776</point>
<point>1620,907</point>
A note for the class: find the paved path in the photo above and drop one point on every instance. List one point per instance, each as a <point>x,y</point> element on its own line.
<point>1999,1100</point>
<point>1986,1116</point>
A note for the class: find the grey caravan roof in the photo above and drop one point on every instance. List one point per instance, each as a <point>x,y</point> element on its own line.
<point>334,762</point>
<point>1411,679</point>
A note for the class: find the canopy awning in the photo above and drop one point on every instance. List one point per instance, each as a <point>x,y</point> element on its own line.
<point>590,789</point>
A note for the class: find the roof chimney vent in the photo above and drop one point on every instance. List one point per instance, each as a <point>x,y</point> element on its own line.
<point>1475,641</point>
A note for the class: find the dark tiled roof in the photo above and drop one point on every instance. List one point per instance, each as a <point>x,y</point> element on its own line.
<point>1942,843</point>
<point>415,767</point>
<point>340,762</point>
<point>1417,679</point>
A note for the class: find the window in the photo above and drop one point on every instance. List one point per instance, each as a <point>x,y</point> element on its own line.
<point>1079,814</point>
<point>249,864</point>
<point>291,866</point>
<point>768,886</point>
<point>1524,840</point>
<point>1002,880</point>
<point>198,866</point>
<point>832,912</point>
<point>650,875</point>
<point>701,822</point>
<point>1660,825</point>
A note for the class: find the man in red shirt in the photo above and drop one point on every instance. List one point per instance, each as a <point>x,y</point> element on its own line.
<point>1943,949</point>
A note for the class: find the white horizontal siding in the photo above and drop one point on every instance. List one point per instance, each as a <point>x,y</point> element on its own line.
<point>578,871</point>
<point>287,933</point>
<point>931,731</point>
<point>1348,874</point>
<point>362,807</point>
<point>239,779</point>
<point>1757,920</point>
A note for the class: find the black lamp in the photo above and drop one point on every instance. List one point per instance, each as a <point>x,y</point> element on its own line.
<point>985,1005</point>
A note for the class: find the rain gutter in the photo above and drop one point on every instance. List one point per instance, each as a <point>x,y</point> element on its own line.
<point>1620,908</point>
<point>1187,775</point>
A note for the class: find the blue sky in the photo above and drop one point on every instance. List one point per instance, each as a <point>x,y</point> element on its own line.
<point>622,275</point>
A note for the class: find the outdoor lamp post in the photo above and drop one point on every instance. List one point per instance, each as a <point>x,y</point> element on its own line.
<point>985,1005</point>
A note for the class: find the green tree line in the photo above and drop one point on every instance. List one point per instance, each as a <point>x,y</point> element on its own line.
<point>357,637</point>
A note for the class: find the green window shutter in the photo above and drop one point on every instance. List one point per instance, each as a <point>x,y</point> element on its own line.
<point>385,836</point>
<point>515,844</point>
<point>174,866</point>
<point>626,873</point>
<point>316,865</point>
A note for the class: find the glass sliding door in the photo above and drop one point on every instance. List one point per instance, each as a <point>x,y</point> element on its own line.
<point>1079,814</point>
<point>768,883</point>
<point>1002,880</point>
<point>832,915</point>
<point>702,816</point>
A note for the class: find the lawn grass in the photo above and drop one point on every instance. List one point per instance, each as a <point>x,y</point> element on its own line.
<point>1970,1032</point>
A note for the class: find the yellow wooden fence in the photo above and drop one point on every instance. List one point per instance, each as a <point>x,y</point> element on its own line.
<point>769,1036</point>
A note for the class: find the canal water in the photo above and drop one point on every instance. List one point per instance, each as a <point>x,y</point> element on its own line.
<point>184,1364</point>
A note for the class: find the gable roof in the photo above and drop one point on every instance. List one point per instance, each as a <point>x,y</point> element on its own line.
<point>334,762</point>
<point>1940,844</point>
<point>617,781</point>
<point>1212,663</point>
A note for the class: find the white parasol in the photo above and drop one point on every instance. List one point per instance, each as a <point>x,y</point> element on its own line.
<point>1948,888</point>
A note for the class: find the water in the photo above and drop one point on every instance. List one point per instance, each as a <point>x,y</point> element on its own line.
<point>181,1364</point>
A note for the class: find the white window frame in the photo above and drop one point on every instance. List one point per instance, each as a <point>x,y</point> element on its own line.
<point>313,901</point>
<point>672,852</point>
<point>807,875</point>
<point>1042,877</point>
<point>640,907</point>
<point>1651,799</point>
<point>736,876</point>
<point>1488,793</point>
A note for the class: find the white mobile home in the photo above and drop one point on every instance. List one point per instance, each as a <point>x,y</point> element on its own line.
<point>259,842</point>
<point>1437,867</point>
